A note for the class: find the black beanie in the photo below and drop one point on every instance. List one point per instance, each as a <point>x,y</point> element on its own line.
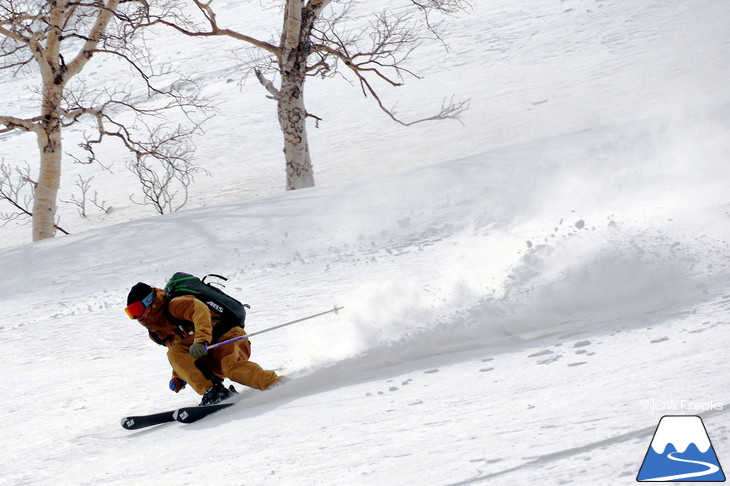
<point>138,292</point>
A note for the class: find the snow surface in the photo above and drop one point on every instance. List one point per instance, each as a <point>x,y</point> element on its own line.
<point>525,296</point>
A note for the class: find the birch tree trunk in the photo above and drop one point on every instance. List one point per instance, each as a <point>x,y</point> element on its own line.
<point>48,134</point>
<point>55,74</point>
<point>48,129</point>
<point>295,47</point>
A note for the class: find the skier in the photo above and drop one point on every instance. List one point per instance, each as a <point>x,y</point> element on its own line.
<point>185,325</point>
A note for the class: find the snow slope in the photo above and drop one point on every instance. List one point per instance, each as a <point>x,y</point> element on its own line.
<point>463,353</point>
<point>518,315</point>
<point>532,70</point>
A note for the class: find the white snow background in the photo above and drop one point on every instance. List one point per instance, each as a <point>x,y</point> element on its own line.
<point>525,295</point>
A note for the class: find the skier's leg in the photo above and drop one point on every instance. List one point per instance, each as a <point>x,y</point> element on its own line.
<point>184,366</point>
<point>248,373</point>
<point>233,359</point>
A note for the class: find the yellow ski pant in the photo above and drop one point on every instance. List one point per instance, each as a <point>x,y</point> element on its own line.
<point>227,361</point>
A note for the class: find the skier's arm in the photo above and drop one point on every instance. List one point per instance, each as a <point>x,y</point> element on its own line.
<point>195,311</point>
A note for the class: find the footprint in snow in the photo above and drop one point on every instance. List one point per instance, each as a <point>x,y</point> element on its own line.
<point>551,359</point>
<point>489,368</point>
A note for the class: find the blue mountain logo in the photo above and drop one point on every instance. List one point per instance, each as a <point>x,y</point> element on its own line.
<point>681,451</point>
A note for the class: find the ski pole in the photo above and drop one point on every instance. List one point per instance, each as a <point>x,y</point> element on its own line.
<point>334,309</point>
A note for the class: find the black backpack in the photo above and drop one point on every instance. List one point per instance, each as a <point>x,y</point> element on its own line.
<point>233,312</point>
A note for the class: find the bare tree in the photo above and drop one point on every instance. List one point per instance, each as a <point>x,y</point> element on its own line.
<point>55,40</point>
<point>84,199</point>
<point>316,41</point>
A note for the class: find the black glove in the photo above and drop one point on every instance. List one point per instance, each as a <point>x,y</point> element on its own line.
<point>197,350</point>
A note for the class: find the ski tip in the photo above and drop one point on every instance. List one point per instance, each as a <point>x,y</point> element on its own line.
<point>336,308</point>
<point>135,422</point>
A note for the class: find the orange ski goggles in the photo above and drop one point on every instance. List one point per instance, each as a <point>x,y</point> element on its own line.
<point>136,309</point>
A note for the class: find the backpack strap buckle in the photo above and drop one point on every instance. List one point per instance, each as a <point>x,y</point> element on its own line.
<point>183,332</point>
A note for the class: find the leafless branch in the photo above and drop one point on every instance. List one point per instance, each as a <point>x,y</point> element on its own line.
<point>442,7</point>
<point>84,185</point>
<point>159,166</point>
<point>16,190</point>
<point>380,52</point>
<point>11,123</point>
<point>266,83</point>
<point>210,27</point>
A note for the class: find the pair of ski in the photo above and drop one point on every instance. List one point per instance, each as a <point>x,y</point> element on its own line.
<point>186,415</point>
